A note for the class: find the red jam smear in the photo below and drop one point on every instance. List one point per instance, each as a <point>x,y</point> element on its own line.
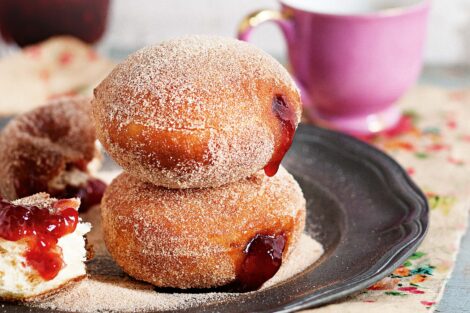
<point>90,194</point>
<point>287,118</point>
<point>41,229</point>
<point>263,258</point>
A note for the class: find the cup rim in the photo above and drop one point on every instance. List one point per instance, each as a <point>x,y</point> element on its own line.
<point>392,12</point>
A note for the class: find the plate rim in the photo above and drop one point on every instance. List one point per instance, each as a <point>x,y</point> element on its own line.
<point>388,264</point>
<point>399,257</point>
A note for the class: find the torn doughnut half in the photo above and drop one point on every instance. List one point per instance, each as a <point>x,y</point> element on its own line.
<point>42,246</point>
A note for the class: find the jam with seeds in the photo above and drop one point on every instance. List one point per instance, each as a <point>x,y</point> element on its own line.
<point>287,119</point>
<point>41,230</point>
<point>262,260</point>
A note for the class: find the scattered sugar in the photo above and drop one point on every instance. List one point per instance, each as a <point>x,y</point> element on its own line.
<point>115,292</point>
<point>109,289</point>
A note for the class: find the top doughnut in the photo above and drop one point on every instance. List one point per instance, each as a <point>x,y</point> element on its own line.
<point>198,111</point>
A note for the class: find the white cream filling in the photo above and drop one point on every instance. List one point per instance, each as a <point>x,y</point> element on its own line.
<point>18,280</point>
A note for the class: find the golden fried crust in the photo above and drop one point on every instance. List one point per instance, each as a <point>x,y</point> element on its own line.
<point>194,238</point>
<point>37,146</point>
<point>193,112</point>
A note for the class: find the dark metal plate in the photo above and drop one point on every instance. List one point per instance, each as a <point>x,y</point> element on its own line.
<point>362,207</point>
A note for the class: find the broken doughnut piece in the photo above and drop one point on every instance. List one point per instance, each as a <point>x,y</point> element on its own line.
<point>42,246</point>
<point>51,149</point>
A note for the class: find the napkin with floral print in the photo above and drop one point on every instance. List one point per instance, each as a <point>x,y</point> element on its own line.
<point>433,145</point>
<point>56,67</point>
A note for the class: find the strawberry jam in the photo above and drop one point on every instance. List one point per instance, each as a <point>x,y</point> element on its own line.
<point>287,120</point>
<point>263,258</point>
<point>90,194</point>
<point>41,230</point>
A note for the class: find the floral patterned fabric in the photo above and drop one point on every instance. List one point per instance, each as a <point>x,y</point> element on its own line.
<point>433,144</point>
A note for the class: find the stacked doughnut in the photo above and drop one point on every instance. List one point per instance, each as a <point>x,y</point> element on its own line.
<point>200,125</point>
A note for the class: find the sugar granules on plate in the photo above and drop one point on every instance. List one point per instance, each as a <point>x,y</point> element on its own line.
<point>119,293</point>
<point>109,289</point>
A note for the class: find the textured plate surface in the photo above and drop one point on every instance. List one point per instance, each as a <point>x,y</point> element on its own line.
<point>362,207</point>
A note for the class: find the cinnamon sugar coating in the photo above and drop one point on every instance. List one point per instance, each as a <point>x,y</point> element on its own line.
<point>37,146</point>
<point>193,112</point>
<point>195,238</point>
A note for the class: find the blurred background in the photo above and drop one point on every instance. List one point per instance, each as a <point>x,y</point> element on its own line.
<point>115,28</point>
<point>133,24</point>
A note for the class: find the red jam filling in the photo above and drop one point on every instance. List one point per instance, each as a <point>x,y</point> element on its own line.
<point>90,194</point>
<point>263,258</point>
<point>287,119</point>
<point>41,229</point>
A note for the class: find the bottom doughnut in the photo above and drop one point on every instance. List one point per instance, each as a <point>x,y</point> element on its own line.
<point>236,234</point>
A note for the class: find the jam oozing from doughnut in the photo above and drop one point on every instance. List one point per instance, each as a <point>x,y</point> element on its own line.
<point>287,119</point>
<point>263,258</point>
<point>41,230</point>
<point>90,193</point>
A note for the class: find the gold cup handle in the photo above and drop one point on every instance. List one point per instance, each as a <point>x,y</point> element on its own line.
<point>284,19</point>
<point>259,17</point>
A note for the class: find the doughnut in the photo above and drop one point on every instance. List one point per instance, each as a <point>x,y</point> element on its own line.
<point>201,238</point>
<point>29,269</point>
<point>196,112</point>
<point>51,149</point>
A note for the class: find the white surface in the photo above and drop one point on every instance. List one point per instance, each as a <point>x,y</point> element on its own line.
<point>137,23</point>
<point>349,6</point>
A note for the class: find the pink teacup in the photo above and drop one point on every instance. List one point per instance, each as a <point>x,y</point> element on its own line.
<point>351,58</point>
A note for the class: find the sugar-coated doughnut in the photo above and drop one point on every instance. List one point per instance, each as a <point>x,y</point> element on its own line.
<point>198,111</point>
<point>200,238</point>
<point>51,149</point>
